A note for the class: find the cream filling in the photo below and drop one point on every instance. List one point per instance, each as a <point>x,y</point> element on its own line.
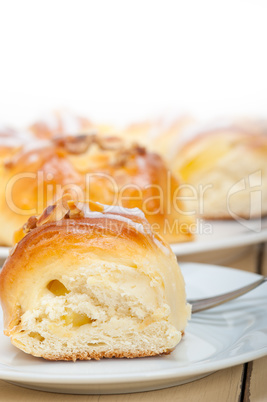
<point>99,305</point>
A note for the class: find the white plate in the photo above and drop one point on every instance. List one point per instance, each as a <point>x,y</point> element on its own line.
<point>225,336</point>
<point>212,236</point>
<point>218,235</point>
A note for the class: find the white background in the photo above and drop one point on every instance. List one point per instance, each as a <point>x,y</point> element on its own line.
<point>119,60</point>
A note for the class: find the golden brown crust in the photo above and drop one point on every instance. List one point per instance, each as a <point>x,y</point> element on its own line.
<point>114,354</point>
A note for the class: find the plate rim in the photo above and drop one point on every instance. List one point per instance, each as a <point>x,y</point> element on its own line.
<point>242,239</point>
<point>141,379</point>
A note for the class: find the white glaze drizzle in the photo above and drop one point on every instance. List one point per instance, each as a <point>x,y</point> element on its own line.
<point>114,210</point>
<point>122,210</point>
<point>96,214</point>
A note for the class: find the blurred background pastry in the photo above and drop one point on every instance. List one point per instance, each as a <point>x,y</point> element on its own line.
<point>225,167</point>
<point>88,281</point>
<point>106,169</point>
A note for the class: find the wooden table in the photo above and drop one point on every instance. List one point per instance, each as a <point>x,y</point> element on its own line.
<point>246,382</point>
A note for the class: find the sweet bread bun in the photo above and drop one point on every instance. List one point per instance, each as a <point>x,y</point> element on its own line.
<point>103,169</point>
<point>89,281</point>
<point>224,166</point>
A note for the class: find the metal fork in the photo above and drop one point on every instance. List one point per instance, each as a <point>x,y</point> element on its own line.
<point>210,302</point>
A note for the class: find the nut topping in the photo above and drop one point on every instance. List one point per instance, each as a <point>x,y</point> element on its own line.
<point>76,144</point>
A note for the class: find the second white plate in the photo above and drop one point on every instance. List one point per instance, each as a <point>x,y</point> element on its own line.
<point>219,235</point>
